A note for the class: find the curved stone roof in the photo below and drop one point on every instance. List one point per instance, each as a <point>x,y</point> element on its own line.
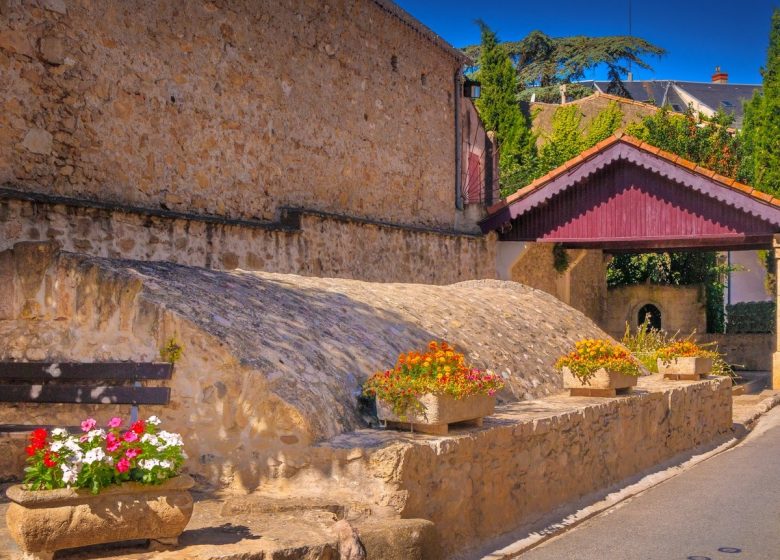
<point>314,340</point>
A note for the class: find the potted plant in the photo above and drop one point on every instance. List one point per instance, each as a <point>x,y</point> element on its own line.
<point>100,486</point>
<point>684,359</point>
<point>429,390</point>
<point>598,368</point>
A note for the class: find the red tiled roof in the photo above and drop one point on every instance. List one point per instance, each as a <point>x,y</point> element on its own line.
<point>644,146</point>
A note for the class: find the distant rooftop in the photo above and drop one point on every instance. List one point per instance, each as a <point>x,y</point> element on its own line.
<point>709,95</point>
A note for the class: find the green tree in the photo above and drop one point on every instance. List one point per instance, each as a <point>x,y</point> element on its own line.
<point>542,60</point>
<point>500,112</point>
<point>707,142</point>
<point>761,128</point>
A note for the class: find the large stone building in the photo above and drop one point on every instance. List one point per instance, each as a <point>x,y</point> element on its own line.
<point>260,135</point>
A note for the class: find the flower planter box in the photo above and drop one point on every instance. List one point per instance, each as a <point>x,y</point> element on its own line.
<point>439,412</point>
<point>602,383</point>
<point>44,521</point>
<point>691,368</point>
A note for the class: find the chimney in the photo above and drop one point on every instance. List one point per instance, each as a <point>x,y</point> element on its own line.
<point>719,77</point>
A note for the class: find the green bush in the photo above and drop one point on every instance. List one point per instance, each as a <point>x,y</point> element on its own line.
<point>750,317</point>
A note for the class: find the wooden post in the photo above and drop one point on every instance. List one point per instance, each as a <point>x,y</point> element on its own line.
<point>776,355</point>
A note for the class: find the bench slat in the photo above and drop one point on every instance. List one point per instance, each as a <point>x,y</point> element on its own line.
<point>79,394</point>
<point>67,371</point>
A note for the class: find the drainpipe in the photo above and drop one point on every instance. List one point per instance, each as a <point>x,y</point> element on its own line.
<point>458,148</point>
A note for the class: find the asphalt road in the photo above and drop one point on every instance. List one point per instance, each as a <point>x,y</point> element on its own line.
<point>725,508</point>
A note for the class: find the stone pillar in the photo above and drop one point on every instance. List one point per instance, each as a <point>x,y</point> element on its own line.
<point>776,355</point>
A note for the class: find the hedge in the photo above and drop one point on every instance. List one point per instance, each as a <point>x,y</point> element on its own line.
<point>750,317</point>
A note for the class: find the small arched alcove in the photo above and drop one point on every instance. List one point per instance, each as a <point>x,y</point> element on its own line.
<point>650,313</point>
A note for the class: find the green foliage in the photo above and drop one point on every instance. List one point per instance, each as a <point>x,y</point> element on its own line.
<point>710,144</point>
<point>543,60</point>
<point>604,124</point>
<point>751,317</point>
<point>172,351</point>
<point>616,85</point>
<point>647,343</point>
<point>761,127</point>
<point>552,94</point>
<point>565,140</point>
<point>767,257</point>
<point>560,258</point>
<point>500,112</point>
<point>680,268</point>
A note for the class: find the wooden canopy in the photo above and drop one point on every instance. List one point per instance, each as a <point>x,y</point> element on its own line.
<point>626,195</point>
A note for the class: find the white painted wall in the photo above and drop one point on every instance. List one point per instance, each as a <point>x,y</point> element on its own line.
<point>748,283</point>
<point>506,255</point>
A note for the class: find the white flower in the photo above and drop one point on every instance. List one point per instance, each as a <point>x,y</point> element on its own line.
<point>94,455</point>
<point>94,434</point>
<point>154,421</point>
<point>166,464</point>
<point>148,464</point>
<point>59,432</point>
<point>57,446</point>
<point>76,458</point>
<point>170,440</point>
<point>69,475</point>
<point>150,438</point>
<point>72,444</point>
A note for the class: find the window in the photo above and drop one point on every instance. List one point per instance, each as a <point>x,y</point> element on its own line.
<point>651,314</point>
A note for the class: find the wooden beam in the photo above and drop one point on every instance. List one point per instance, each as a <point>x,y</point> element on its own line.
<point>69,371</point>
<point>79,394</point>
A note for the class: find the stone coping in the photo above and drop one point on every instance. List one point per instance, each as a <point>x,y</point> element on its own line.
<point>516,413</point>
<point>64,496</point>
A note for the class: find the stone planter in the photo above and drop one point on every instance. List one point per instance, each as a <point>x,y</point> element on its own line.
<point>685,368</point>
<point>44,521</point>
<point>439,412</point>
<point>602,383</point>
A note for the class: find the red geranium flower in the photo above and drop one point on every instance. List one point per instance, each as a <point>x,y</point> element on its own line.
<point>138,427</point>
<point>47,459</point>
<point>31,449</point>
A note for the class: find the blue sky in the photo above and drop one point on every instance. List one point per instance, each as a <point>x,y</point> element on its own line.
<point>698,34</point>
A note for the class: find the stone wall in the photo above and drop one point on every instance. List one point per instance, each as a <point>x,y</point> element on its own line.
<point>309,244</point>
<point>230,109</point>
<point>683,308</point>
<point>744,351</point>
<point>582,285</point>
<point>590,107</point>
<point>271,362</point>
<point>528,459</point>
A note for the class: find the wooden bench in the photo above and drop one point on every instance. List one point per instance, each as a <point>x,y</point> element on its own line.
<point>82,383</point>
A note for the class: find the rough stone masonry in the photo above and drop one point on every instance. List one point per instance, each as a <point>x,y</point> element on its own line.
<point>234,111</point>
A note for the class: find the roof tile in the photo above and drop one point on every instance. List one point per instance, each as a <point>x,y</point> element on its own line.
<point>704,171</point>
<point>685,163</point>
<point>668,155</point>
<point>762,195</point>
<point>649,148</point>
<point>742,187</point>
<point>723,179</point>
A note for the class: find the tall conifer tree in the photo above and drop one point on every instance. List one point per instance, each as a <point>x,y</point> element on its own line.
<point>500,112</point>
<point>761,130</point>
